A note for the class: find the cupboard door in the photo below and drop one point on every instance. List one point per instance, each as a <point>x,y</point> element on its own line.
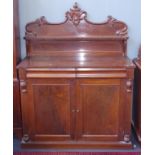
<point>48,112</point>
<point>98,109</point>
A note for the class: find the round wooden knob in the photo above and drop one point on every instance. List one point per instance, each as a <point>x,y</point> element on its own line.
<point>77,110</point>
<point>73,110</point>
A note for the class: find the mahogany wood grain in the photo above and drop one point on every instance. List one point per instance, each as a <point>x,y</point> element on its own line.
<point>51,108</point>
<point>76,84</point>
<point>17,121</point>
<point>97,105</point>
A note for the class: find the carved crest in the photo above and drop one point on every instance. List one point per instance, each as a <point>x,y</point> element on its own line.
<point>76,14</point>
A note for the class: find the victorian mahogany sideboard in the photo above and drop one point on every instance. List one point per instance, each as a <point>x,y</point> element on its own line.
<point>76,84</point>
<point>17,122</point>
<point>137,96</point>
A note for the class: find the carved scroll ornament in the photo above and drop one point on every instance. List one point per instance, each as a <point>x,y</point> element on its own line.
<point>114,23</point>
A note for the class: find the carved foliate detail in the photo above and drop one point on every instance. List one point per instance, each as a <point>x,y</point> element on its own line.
<point>129,84</point>
<point>25,138</point>
<point>76,14</point>
<point>23,86</point>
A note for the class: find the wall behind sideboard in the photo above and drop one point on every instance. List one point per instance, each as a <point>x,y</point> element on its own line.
<point>98,10</point>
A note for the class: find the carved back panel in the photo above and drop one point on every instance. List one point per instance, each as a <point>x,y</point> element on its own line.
<point>76,34</point>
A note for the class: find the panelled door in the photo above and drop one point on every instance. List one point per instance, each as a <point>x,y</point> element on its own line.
<point>48,114</point>
<point>74,109</point>
<point>98,109</point>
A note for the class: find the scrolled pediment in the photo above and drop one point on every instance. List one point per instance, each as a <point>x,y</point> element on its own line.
<point>76,25</point>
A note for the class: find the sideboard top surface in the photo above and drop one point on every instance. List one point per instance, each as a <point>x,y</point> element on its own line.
<point>76,62</point>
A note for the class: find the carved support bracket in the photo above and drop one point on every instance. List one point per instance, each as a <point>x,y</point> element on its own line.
<point>129,85</point>
<point>25,138</point>
<point>23,86</point>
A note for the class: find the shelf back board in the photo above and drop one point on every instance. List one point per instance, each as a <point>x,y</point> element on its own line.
<point>76,35</point>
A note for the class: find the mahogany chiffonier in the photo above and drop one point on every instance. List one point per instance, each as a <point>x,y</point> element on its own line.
<point>17,121</point>
<point>137,96</point>
<point>76,84</point>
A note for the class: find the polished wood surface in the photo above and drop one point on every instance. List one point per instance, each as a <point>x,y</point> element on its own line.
<point>98,121</point>
<point>76,84</point>
<point>17,122</point>
<point>137,96</point>
<point>77,35</point>
<point>50,105</point>
<point>80,61</point>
